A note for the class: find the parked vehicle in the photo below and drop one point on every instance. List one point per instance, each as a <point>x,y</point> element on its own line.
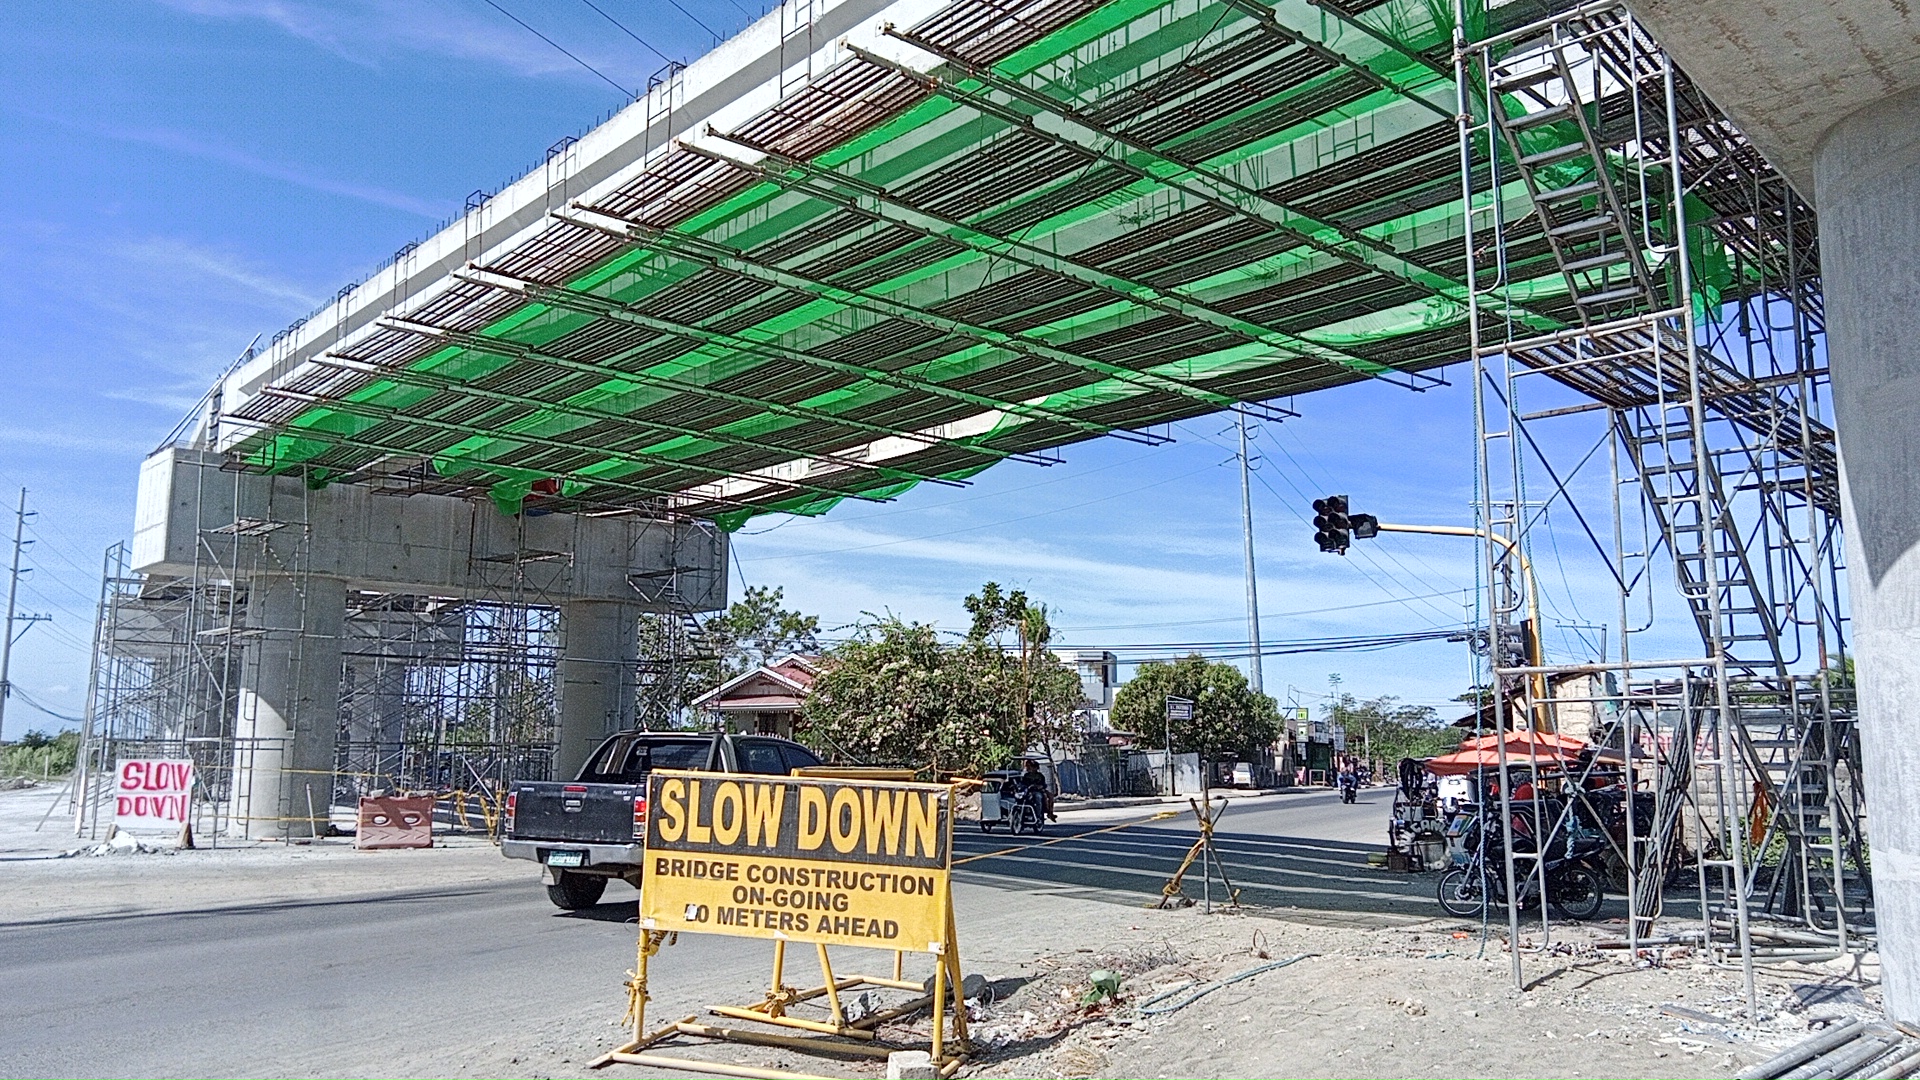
<point>593,829</point>
<point>1575,888</point>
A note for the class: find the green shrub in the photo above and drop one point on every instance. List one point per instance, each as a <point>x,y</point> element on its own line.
<point>40,754</point>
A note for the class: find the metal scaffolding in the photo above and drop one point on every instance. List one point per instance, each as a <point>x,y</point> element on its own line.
<point>1634,259</point>
<point>452,695</point>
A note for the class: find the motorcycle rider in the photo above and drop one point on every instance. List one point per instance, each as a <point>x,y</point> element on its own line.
<point>1349,784</point>
<point>1031,778</point>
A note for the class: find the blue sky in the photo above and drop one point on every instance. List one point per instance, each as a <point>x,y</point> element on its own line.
<point>177,176</point>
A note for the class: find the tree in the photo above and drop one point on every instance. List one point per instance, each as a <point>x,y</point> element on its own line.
<point>676,668</point>
<point>38,753</point>
<point>1229,719</point>
<point>895,693</point>
<point>1390,730</point>
<point>757,629</point>
<point>1049,691</point>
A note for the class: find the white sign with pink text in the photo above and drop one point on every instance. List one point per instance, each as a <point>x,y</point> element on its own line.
<point>152,795</point>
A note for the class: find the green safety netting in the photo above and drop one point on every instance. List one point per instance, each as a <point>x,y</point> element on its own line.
<point>1270,323</point>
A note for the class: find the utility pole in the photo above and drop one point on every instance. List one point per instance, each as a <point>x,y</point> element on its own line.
<point>1253,591</point>
<point>13,595</point>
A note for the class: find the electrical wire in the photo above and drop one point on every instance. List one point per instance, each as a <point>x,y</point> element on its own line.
<point>15,691</point>
<point>1263,618</point>
<point>648,45</point>
<point>562,48</point>
<point>1141,654</point>
<point>696,20</point>
<point>1388,553</point>
<point>1364,555</point>
<point>1382,571</point>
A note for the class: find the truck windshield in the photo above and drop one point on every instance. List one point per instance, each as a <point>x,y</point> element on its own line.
<point>628,759</point>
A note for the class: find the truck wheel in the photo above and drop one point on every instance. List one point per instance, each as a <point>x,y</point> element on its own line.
<point>575,892</point>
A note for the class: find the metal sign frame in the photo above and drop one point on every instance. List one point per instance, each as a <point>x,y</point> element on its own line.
<point>837,1035</point>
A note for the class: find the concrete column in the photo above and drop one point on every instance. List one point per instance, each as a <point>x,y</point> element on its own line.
<point>289,706</point>
<point>600,645</point>
<point>1867,183</point>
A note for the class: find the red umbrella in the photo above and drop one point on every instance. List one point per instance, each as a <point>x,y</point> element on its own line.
<point>1541,743</point>
<point>1466,760</point>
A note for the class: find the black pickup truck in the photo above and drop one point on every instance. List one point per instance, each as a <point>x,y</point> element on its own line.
<point>592,829</point>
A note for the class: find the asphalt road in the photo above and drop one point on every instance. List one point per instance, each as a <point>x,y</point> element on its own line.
<point>1304,852</point>
<point>489,979</point>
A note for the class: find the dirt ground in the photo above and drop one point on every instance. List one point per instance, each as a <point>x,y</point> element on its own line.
<point>1423,1001</point>
<point>1350,1001</point>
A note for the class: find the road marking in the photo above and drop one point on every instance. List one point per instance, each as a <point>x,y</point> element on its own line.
<point>1161,816</point>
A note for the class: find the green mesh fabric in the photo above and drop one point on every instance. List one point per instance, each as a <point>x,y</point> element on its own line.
<point>1100,54</point>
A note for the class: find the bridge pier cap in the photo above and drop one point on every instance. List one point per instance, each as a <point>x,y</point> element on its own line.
<point>1831,95</point>
<point>431,545</point>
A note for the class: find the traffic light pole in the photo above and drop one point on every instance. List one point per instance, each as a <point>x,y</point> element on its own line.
<point>1536,680</point>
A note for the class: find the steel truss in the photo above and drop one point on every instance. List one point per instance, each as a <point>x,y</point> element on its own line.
<point>1593,168</point>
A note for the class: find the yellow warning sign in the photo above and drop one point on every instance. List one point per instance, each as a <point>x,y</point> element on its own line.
<point>838,862</point>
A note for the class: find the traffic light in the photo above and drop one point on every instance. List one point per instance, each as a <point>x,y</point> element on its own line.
<point>1365,526</point>
<point>1331,524</point>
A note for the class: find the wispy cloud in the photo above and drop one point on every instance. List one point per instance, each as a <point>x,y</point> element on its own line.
<point>364,31</point>
<point>173,255</point>
<point>117,443</point>
<point>187,144</point>
<point>145,318</point>
<point>996,555</point>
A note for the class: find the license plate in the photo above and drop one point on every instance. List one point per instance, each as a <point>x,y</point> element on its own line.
<point>566,858</point>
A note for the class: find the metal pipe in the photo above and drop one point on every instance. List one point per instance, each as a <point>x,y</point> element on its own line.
<point>1801,1052</point>
<point>1534,670</point>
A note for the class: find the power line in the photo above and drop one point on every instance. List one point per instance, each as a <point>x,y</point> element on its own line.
<point>1368,557</point>
<point>1387,552</point>
<point>32,704</point>
<point>1240,650</point>
<point>1380,570</point>
<point>696,19</point>
<point>562,48</point>
<point>1263,618</point>
<point>629,33</point>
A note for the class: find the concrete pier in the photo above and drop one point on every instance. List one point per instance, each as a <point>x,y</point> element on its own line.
<point>599,644</point>
<point>1830,93</point>
<point>300,552</point>
<point>1867,174</point>
<point>289,707</point>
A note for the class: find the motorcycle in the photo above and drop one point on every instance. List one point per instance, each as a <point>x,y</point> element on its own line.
<point>1349,788</point>
<point>1575,888</point>
<point>1017,806</point>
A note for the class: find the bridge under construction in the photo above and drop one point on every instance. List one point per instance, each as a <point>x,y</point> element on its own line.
<point>454,526</point>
